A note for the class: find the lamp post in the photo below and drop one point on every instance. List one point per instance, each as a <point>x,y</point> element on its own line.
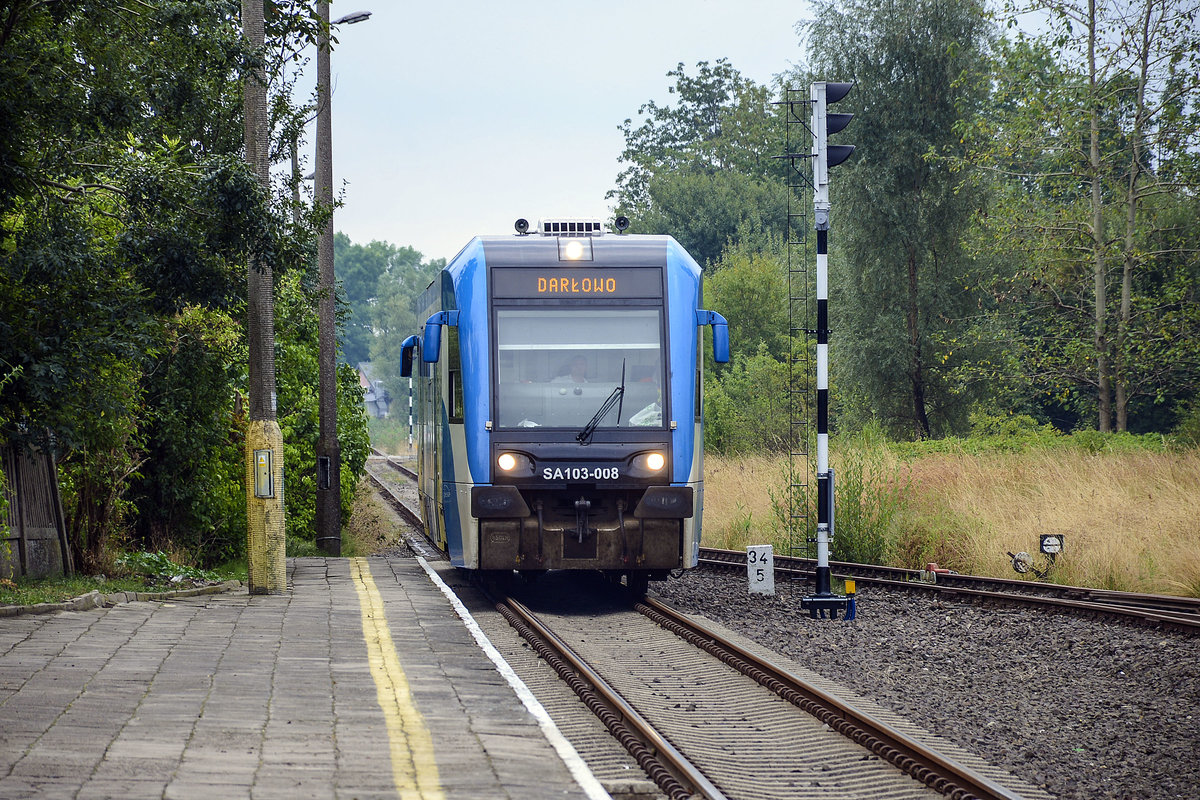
<point>329,487</point>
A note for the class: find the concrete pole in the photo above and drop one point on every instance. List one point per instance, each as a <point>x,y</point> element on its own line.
<point>329,467</point>
<point>265,539</point>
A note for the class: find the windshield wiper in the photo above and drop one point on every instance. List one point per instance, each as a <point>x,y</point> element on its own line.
<point>617,396</point>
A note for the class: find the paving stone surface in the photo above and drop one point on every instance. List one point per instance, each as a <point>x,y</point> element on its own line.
<point>228,695</point>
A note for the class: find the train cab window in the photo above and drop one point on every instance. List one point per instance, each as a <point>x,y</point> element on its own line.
<point>557,367</point>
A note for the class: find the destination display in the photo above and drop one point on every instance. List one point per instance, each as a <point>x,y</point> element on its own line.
<point>541,282</point>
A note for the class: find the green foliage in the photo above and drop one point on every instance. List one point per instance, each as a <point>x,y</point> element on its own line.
<point>1094,442</point>
<point>1187,431</point>
<point>746,408</point>
<point>160,565</point>
<point>701,169</point>
<point>394,317</point>
<point>897,266</point>
<point>127,218</point>
<point>1083,248</point>
<point>69,320</point>
<point>1020,427</point>
<point>748,286</point>
<point>368,275</point>
<point>868,498</point>
<point>193,496</point>
<point>354,435</point>
<point>94,476</point>
<point>299,416</point>
<point>706,210</point>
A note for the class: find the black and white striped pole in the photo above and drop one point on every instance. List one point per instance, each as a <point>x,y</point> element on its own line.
<point>824,157</point>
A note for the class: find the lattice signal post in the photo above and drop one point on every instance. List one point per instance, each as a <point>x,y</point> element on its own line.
<point>796,133</point>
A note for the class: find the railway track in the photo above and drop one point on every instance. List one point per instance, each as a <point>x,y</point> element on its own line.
<point>388,492</point>
<point>705,717</point>
<point>1177,613</point>
<point>751,728</point>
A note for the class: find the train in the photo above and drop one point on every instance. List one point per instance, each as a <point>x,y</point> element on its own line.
<point>558,402</point>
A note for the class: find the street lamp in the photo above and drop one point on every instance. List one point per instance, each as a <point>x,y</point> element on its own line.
<point>329,468</point>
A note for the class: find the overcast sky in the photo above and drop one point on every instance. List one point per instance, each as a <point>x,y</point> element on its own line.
<point>453,119</point>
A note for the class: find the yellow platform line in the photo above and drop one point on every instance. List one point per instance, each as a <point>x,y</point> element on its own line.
<point>414,769</point>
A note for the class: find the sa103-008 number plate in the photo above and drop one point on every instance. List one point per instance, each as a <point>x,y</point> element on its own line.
<point>580,472</point>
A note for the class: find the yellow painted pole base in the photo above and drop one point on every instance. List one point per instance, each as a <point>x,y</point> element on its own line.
<point>266,553</point>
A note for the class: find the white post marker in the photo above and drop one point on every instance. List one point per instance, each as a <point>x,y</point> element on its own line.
<point>760,569</point>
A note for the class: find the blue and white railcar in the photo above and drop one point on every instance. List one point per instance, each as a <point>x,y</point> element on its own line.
<point>559,402</point>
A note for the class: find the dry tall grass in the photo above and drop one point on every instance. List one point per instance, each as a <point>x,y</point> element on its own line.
<point>1131,520</point>
<point>738,500</point>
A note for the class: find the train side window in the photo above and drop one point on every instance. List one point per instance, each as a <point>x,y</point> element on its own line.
<point>455,371</point>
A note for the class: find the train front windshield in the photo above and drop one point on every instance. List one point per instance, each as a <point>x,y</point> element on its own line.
<point>557,368</point>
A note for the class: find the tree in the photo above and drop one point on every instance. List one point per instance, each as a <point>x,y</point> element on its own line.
<point>361,270</point>
<point>897,261</point>
<point>748,286</point>
<point>394,314</point>
<point>126,220</point>
<point>1088,145</point>
<point>702,168</point>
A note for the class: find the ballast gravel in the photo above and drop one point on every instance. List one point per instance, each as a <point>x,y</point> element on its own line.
<point>1088,709</point>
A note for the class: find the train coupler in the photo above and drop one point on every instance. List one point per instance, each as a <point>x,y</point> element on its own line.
<point>582,507</point>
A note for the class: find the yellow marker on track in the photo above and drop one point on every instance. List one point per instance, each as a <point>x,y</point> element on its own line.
<point>414,769</point>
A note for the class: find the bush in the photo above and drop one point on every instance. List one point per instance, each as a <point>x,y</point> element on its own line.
<point>746,407</point>
<point>160,565</point>
<point>868,496</point>
<point>299,413</point>
<point>1095,442</point>
<point>190,494</point>
<point>1187,430</point>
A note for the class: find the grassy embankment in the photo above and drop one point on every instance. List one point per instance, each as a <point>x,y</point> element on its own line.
<point>1130,515</point>
<point>390,435</point>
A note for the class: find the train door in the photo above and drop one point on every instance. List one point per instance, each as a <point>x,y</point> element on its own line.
<point>437,415</point>
<point>429,487</point>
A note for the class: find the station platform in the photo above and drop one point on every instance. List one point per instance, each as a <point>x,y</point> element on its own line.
<point>365,680</point>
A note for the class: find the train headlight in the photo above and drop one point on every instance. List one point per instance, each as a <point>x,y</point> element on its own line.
<point>575,249</point>
<point>514,465</point>
<point>648,465</point>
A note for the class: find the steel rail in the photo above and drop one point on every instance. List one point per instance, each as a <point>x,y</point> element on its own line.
<point>677,777</point>
<point>1123,606</point>
<point>394,464</point>
<point>915,759</point>
<point>404,511</point>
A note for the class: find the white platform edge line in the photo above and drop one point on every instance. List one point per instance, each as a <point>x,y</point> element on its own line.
<point>566,751</point>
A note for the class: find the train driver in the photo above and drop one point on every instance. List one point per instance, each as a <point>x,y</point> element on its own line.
<point>576,372</point>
